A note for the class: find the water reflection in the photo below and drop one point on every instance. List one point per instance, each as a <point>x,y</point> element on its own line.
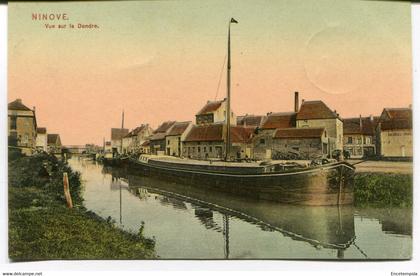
<point>191,223</point>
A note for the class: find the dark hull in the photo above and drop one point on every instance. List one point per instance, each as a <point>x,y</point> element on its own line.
<point>326,185</point>
<point>115,162</point>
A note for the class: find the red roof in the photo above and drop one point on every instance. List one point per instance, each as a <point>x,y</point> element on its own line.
<point>315,110</point>
<point>213,132</point>
<point>352,125</point>
<point>396,113</point>
<point>279,120</point>
<point>158,136</point>
<point>178,128</point>
<point>240,134</point>
<point>250,120</point>
<point>396,124</point>
<point>18,105</point>
<point>41,130</point>
<point>299,133</point>
<point>136,131</point>
<point>396,118</point>
<point>164,126</point>
<point>210,106</point>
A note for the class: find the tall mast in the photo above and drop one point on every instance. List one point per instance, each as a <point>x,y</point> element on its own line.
<point>232,20</point>
<point>122,127</point>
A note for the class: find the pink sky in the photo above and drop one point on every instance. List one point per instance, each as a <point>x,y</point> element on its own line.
<point>161,60</point>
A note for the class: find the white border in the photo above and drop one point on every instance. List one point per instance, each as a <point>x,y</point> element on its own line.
<point>128,267</point>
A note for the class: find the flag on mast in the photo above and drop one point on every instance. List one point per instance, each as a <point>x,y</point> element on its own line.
<point>233,20</point>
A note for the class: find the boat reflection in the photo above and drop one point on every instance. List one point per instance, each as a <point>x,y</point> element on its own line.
<point>322,226</point>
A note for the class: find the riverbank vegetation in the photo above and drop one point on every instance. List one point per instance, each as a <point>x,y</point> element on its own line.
<point>383,189</point>
<point>41,227</point>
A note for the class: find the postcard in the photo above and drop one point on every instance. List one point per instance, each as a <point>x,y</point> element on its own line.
<point>210,130</point>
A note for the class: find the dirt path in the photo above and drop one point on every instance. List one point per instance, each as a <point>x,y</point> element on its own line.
<point>383,166</point>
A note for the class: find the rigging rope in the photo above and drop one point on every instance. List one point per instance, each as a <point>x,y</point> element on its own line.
<point>220,77</point>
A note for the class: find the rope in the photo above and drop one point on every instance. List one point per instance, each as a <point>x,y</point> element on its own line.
<point>220,77</point>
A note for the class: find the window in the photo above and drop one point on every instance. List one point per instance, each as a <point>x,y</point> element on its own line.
<point>205,149</point>
<point>210,149</point>
<point>198,149</point>
<point>13,120</point>
<point>350,140</point>
<point>368,140</point>
<point>262,141</point>
<point>359,140</point>
<point>168,142</point>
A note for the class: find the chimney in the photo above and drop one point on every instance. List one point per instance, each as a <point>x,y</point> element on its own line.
<point>303,100</point>
<point>296,101</point>
<point>360,121</point>
<point>371,117</point>
<point>19,100</point>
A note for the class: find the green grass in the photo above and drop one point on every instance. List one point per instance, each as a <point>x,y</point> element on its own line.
<point>42,228</point>
<point>382,189</point>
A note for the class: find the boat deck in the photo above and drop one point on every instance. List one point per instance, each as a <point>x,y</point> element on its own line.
<point>220,163</point>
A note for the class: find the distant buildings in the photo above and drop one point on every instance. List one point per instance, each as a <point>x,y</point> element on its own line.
<point>316,114</point>
<point>395,133</point>
<point>117,135</point>
<point>214,112</point>
<point>175,136</point>
<point>54,143</point>
<point>305,143</point>
<point>133,140</point>
<point>41,139</point>
<point>360,136</point>
<point>263,140</point>
<point>158,138</point>
<point>208,141</point>
<point>22,127</point>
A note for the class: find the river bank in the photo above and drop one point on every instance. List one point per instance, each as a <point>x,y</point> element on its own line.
<point>41,227</point>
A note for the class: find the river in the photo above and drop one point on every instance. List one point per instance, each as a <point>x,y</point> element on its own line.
<point>189,223</point>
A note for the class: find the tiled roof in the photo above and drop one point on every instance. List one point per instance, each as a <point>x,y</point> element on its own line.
<point>396,113</point>
<point>118,133</point>
<point>178,128</point>
<point>158,136</point>
<point>136,131</point>
<point>396,118</point>
<point>352,125</point>
<point>145,143</point>
<point>52,138</point>
<point>315,110</point>
<point>17,105</point>
<point>213,132</point>
<point>250,120</point>
<point>210,107</point>
<point>396,124</point>
<point>240,134</point>
<point>279,120</point>
<point>298,133</point>
<point>41,130</point>
<point>164,126</point>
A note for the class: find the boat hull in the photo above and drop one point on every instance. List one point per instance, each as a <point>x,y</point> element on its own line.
<point>326,185</point>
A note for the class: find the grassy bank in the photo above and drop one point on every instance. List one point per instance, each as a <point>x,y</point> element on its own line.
<point>42,228</point>
<point>383,189</point>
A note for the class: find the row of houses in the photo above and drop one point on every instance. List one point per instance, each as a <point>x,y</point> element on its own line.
<point>387,135</point>
<point>24,133</point>
<point>311,130</point>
